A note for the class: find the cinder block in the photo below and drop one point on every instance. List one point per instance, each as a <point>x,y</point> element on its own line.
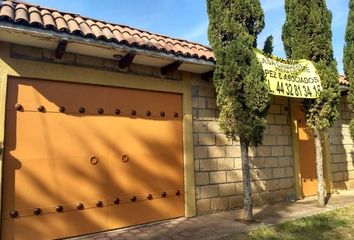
<point>286,183</point>
<point>206,114</point>
<point>273,184</point>
<point>271,162</point>
<point>211,103</point>
<point>289,172</point>
<point>200,127</point>
<point>263,151</point>
<point>208,165</point>
<point>203,206</point>
<point>226,164</point>
<point>283,140</point>
<point>281,119</point>
<point>200,152</point>
<point>269,140</point>
<point>214,127</point>
<point>274,108</point>
<point>201,102</point>
<point>278,172</point>
<point>275,130</point>
<point>202,178</point>
<point>238,163</point>
<point>285,161</point>
<point>239,188</point>
<point>216,151</point>
<point>233,151</point>
<point>205,91</point>
<point>270,119</point>
<point>288,151</point>
<point>265,173</point>
<point>218,204</point>
<point>221,140</point>
<point>234,176</point>
<point>277,151</point>
<point>206,139</point>
<point>235,201</point>
<point>218,177</point>
<point>227,189</point>
<point>210,191</point>
<point>255,199</point>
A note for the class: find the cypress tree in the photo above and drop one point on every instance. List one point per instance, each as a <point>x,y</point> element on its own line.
<point>268,45</point>
<point>307,34</point>
<point>242,94</point>
<point>348,60</point>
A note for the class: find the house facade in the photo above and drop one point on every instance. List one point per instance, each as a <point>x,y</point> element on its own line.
<point>106,126</point>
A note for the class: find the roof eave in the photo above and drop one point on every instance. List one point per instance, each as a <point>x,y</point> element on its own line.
<point>47,33</point>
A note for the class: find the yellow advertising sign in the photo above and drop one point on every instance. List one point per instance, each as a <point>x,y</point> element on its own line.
<point>290,78</point>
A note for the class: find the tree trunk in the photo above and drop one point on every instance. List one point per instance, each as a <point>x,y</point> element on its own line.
<point>319,168</point>
<point>247,190</point>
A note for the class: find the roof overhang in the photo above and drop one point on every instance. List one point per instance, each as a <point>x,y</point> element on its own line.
<point>48,39</point>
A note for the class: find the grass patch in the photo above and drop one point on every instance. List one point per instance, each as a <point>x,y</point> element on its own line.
<point>337,224</point>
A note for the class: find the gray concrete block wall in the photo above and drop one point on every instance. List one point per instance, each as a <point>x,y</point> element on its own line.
<point>218,160</point>
<point>342,150</point>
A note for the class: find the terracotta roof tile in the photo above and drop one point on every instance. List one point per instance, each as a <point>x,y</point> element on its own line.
<point>73,26</point>
<point>25,13</point>
<point>48,20</point>
<point>7,11</point>
<point>35,17</point>
<point>21,13</point>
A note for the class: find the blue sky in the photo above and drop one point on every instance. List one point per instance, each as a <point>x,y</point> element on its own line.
<point>188,19</point>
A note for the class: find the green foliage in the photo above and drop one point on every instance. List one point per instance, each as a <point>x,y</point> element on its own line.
<point>242,94</point>
<point>268,45</point>
<point>307,34</point>
<point>336,224</point>
<point>348,59</point>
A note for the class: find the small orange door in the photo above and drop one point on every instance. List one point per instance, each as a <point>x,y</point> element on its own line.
<point>307,153</point>
<point>82,158</point>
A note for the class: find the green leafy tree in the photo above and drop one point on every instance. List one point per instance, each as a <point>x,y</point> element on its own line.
<point>242,94</point>
<point>348,60</point>
<point>307,34</point>
<point>268,45</point>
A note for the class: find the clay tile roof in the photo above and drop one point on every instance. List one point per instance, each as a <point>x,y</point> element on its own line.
<point>19,12</point>
<point>343,80</point>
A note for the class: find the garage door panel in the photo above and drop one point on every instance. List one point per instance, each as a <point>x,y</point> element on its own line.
<point>28,181</point>
<point>143,101</point>
<point>146,135</point>
<point>32,93</point>
<point>79,179</point>
<point>55,158</point>
<point>145,211</point>
<point>56,135</point>
<point>145,172</point>
<point>152,147</point>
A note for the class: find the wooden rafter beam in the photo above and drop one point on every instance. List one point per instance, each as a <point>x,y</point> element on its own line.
<point>59,52</point>
<point>126,60</point>
<point>172,67</point>
<point>208,75</point>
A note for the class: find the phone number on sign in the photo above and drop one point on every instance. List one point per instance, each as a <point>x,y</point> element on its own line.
<point>296,90</point>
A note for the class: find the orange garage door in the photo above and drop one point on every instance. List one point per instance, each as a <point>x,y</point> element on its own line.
<point>83,158</point>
